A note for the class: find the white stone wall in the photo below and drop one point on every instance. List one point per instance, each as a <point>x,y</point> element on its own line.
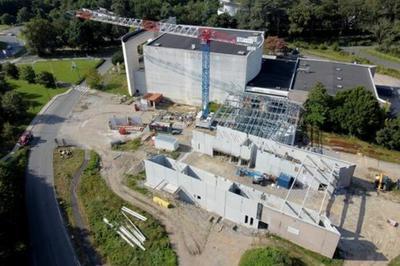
<point>176,73</point>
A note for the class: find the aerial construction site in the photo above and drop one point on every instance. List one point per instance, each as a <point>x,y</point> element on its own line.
<point>216,126</point>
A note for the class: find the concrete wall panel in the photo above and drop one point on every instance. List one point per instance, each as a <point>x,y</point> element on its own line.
<point>176,73</point>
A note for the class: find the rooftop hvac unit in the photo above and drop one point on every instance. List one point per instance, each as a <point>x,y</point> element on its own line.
<point>339,78</point>
<point>241,52</point>
<point>157,44</point>
<point>338,69</point>
<point>193,46</point>
<point>339,86</point>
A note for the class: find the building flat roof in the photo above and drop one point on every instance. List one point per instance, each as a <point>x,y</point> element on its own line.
<point>335,76</point>
<point>188,43</point>
<point>274,74</point>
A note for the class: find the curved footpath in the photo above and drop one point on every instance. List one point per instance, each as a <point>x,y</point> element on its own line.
<point>50,243</point>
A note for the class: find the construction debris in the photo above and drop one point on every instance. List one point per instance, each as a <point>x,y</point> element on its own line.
<point>126,125</point>
<point>133,213</point>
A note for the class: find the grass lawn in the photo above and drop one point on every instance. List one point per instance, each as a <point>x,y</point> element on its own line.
<point>63,71</point>
<point>353,145</point>
<point>278,248</point>
<point>64,169</point>
<point>131,145</point>
<point>133,182</point>
<point>99,201</point>
<point>4,27</point>
<point>384,56</point>
<point>395,261</point>
<point>115,83</point>
<point>36,94</point>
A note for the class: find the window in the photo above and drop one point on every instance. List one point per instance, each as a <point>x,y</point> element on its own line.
<point>198,197</point>
<point>251,221</point>
<point>246,218</point>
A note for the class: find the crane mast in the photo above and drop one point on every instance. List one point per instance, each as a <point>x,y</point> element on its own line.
<point>203,33</point>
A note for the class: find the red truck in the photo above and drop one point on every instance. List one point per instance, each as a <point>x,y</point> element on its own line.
<point>25,138</point>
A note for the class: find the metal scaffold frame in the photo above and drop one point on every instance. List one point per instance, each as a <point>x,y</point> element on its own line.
<point>269,117</point>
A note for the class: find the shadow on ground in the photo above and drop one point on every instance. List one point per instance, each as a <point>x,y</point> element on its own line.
<point>352,245</point>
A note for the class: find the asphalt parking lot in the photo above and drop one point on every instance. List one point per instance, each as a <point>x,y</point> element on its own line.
<point>14,45</point>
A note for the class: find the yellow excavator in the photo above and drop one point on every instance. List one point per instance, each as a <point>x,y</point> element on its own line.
<point>382,182</point>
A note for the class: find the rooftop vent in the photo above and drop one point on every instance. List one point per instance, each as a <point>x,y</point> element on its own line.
<point>339,86</point>
<point>338,69</point>
<point>241,52</point>
<point>193,46</point>
<point>157,44</point>
<point>339,78</point>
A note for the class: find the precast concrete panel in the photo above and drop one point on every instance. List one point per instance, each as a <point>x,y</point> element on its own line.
<point>308,235</point>
<point>177,73</point>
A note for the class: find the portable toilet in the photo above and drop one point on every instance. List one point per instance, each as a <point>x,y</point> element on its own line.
<point>284,180</point>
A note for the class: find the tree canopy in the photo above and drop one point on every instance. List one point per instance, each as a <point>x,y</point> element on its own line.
<point>354,112</point>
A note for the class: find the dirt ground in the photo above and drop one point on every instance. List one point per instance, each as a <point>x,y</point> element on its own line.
<point>359,213</point>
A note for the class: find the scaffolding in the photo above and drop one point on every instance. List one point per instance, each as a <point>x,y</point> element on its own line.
<point>263,116</point>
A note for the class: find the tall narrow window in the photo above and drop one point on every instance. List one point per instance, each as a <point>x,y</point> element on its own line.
<point>246,218</point>
<point>251,221</point>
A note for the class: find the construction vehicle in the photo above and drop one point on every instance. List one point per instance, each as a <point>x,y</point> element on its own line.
<point>256,177</point>
<point>25,138</point>
<point>382,182</point>
<point>205,34</point>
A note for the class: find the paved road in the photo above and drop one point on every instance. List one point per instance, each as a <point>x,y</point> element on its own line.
<point>50,244</point>
<point>360,51</point>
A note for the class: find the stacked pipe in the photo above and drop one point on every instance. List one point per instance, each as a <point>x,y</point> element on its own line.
<point>130,233</point>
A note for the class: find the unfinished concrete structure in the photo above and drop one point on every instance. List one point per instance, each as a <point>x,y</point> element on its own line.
<point>244,205</point>
<point>310,169</point>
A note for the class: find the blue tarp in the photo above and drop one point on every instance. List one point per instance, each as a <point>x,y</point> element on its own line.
<point>285,180</point>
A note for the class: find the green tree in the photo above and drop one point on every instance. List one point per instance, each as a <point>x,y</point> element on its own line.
<point>7,19</point>
<point>381,30</point>
<point>27,73</point>
<point>13,106</point>
<point>357,113</point>
<point>23,15</point>
<point>93,79</point>
<point>11,70</point>
<point>117,57</point>
<point>8,134</point>
<point>85,35</point>
<point>223,21</point>
<point>4,86</point>
<point>40,35</point>
<point>300,17</point>
<point>389,135</point>
<point>317,106</point>
<point>46,79</point>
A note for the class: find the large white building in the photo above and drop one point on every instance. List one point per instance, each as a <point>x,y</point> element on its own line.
<point>172,65</point>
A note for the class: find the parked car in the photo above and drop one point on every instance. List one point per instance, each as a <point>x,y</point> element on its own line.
<point>25,138</point>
